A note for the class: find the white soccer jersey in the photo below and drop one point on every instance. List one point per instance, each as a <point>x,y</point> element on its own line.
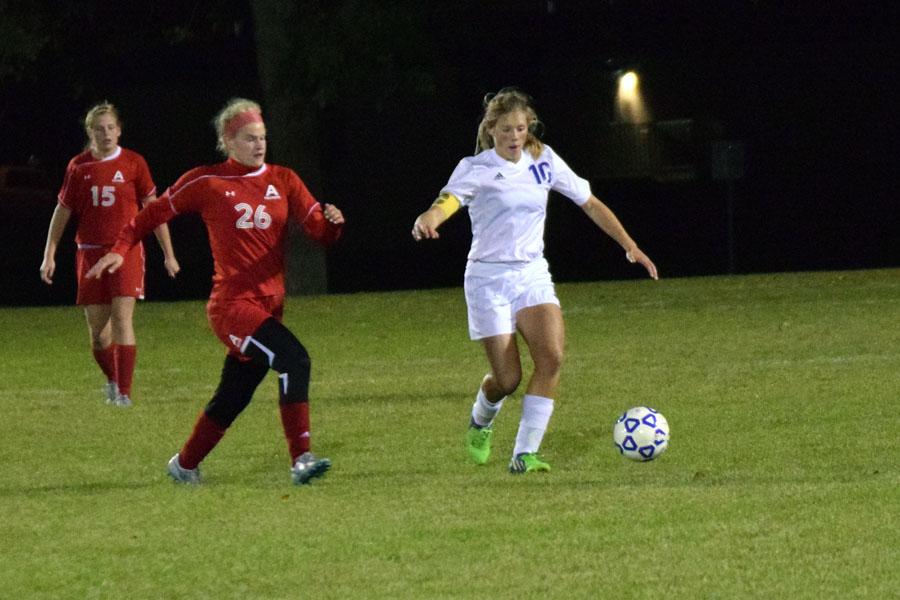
<point>507,201</point>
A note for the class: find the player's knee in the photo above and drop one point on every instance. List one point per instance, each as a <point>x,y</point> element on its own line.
<point>293,359</point>
<point>101,337</point>
<point>122,331</point>
<point>549,363</point>
<point>238,382</point>
<point>277,346</point>
<point>226,405</point>
<point>507,382</point>
<point>293,365</point>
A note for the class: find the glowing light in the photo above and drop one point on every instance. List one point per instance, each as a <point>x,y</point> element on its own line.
<point>630,106</point>
<point>628,84</point>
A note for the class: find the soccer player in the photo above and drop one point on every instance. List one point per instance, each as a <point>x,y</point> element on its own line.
<point>246,205</point>
<point>507,282</point>
<point>104,187</point>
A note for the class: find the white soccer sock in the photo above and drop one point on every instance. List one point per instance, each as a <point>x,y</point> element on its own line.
<point>484,411</point>
<point>536,411</point>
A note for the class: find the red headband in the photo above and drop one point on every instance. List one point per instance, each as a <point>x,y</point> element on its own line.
<point>239,120</point>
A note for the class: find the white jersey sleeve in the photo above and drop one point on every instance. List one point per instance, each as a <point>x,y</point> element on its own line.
<point>566,182</point>
<point>464,181</point>
<point>507,201</point>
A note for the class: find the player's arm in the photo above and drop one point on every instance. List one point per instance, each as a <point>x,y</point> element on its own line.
<point>165,242</point>
<point>58,223</point>
<point>606,220</point>
<point>321,222</point>
<point>332,214</point>
<point>154,215</point>
<point>441,209</point>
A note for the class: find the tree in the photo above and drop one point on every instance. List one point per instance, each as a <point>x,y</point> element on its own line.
<point>324,63</point>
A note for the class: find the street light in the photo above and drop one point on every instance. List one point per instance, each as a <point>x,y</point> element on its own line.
<point>629,102</point>
<point>628,83</point>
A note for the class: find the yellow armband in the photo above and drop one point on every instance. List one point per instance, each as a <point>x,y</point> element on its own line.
<point>447,203</point>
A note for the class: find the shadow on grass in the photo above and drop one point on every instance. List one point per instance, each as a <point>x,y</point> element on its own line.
<point>86,488</point>
<point>398,397</point>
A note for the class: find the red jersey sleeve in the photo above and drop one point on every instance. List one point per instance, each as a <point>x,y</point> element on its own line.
<point>143,184</point>
<point>65,196</point>
<point>155,214</point>
<point>176,200</point>
<point>307,212</point>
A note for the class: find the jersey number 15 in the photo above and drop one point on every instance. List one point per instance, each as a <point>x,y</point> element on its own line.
<point>105,196</point>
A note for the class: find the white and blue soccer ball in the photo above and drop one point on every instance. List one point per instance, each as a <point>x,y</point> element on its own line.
<point>641,433</point>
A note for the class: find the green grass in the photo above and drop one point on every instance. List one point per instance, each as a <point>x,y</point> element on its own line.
<point>781,479</point>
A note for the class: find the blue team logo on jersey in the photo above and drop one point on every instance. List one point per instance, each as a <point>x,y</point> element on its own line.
<point>541,172</point>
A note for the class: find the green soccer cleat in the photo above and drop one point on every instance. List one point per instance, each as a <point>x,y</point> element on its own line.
<point>527,462</point>
<point>478,443</point>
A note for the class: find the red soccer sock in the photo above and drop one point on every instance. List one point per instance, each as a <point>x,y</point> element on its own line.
<point>204,438</point>
<point>106,358</point>
<point>295,420</point>
<point>125,359</point>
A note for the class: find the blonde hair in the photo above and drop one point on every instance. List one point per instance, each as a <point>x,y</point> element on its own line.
<point>96,111</point>
<point>505,101</point>
<point>233,107</point>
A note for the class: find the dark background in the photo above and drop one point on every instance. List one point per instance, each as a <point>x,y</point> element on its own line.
<point>374,103</point>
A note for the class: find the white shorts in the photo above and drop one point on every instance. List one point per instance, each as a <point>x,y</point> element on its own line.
<point>496,292</point>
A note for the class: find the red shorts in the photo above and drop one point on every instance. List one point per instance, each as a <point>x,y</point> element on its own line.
<point>128,280</point>
<point>233,321</point>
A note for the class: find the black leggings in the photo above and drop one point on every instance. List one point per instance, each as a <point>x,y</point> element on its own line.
<point>272,345</point>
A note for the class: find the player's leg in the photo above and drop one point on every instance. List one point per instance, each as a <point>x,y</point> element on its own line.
<point>492,322</point>
<point>506,371</point>
<point>233,322</point>
<point>102,347</point>
<point>238,381</point>
<point>99,326</point>
<point>274,344</point>
<point>125,286</point>
<point>121,320</point>
<point>94,297</point>
<point>502,353</point>
<point>543,329</point>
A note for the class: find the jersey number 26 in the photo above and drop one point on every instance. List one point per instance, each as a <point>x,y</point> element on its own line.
<point>250,219</point>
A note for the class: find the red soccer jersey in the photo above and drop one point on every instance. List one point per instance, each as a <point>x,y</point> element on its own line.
<point>246,212</point>
<point>104,193</point>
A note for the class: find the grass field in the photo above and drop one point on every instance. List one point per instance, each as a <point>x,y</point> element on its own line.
<point>781,479</point>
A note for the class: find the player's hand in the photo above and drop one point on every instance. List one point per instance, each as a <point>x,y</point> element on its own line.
<point>48,267</point>
<point>425,227</point>
<point>332,214</point>
<point>172,266</point>
<point>108,263</point>
<point>635,255</point>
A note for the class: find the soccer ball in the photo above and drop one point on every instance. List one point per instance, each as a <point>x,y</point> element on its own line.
<point>641,433</point>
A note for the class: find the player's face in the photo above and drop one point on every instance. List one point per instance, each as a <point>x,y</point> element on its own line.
<point>510,133</point>
<point>104,134</point>
<point>248,146</point>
